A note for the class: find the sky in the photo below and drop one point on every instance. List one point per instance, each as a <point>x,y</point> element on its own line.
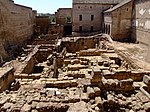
<point>45,6</point>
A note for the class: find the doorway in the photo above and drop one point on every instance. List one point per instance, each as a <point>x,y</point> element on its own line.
<point>67,30</point>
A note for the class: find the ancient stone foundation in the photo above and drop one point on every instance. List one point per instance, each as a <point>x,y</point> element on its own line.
<point>52,78</point>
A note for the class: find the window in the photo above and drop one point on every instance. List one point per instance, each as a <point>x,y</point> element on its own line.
<point>68,19</point>
<point>127,9</point>
<point>92,17</point>
<point>91,28</point>
<point>80,17</point>
<point>80,28</point>
<point>78,7</point>
<point>91,7</point>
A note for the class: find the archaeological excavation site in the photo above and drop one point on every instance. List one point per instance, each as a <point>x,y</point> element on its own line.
<point>93,57</point>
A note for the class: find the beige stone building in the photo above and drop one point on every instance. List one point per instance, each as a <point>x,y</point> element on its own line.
<point>63,16</point>
<point>87,14</point>
<point>43,24</point>
<point>64,20</point>
<point>117,21</point>
<point>16,26</point>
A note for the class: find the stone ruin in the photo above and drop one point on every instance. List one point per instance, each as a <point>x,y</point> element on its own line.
<point>80,74</point>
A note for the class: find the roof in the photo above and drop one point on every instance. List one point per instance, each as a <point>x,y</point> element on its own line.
<point>23,6</point>
<point>97,1</point>
<point>118,6</point>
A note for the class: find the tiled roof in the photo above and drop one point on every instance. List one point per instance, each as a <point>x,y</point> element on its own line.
<point>118,6</point>
<point>97,1</point>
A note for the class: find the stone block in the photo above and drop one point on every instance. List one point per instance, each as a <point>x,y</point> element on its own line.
<point>110,98</point>
<point>146,80</point>
<point>90,92</point>
<point>107,74</point>
<point>114,66</point>
<point>121,74</point>
<point>76,75</point>
<point>97,91</point>
<point>84,97</point>
<point>62,84</point>
<point>99,102</point>
<point>84,62</point>
<point>76,67</point>
<point>26,108</point>
<point>137,75</point>
<point>126,85</point>
<point>110,84</point>
<point>6,106</point>
<point>75,61</point>
<point>147,107</point>
<point>67,61</point>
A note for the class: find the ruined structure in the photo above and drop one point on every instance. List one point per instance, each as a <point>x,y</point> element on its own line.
<point>77,74</point>
<point>74,74</point>
<point>16,26</point>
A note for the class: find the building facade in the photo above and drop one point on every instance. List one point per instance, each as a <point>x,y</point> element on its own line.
<point>16,26</point>
<point>117,21</point>
<point>88,14</point>
<point>64,20</point>
<point>43,24</point>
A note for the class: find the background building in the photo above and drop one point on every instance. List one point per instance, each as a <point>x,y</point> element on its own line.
<point>43,24</point>
<point>117,21</point>
<point>64,20</point>
<point>16,26</point>
<point>88,14</point>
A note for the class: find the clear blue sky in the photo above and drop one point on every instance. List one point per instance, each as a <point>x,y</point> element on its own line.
<point>45,6</point>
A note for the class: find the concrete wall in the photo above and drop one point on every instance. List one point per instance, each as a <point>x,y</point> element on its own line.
<point>141,21</point>
<point>16,26</point>
<point>120,22</point>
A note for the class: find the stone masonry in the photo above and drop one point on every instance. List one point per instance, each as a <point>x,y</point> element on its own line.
<point>16,26</point>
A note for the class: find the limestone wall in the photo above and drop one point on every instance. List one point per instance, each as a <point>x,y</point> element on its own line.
<point>16,26</point>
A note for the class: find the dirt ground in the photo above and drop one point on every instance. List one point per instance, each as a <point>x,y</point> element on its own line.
<point>138,53</point>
